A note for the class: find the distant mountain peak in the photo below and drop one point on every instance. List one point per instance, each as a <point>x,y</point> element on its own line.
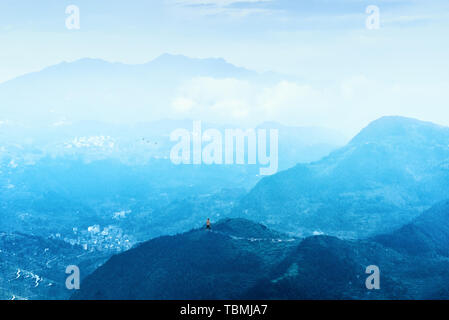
<point>397,127</point>
<point>394,121</point>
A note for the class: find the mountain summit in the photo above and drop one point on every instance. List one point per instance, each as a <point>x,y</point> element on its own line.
<point>391,129</point>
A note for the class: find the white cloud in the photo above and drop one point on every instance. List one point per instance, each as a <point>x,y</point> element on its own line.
<point>349,87</point>
<point>348,104</point>
<point>183,104</point>
<point>232,100</point>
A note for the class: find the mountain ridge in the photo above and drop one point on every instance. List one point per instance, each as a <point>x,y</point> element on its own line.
<point>202,264</point>
<point>163,60</point>
<point>183,265</point>
<point>362,188</point>
<point>428,234</point>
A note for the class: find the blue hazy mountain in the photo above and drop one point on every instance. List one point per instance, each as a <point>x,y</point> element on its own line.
<point>240,259</point>
<point>304,144</point>
<point>96,89</point>
<point>382,179</point>
<point>123,110</point>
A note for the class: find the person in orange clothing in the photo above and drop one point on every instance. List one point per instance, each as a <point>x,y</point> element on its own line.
<point>208,224</point>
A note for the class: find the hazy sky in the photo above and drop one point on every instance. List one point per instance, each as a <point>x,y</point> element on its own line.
<point>349,74</point>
